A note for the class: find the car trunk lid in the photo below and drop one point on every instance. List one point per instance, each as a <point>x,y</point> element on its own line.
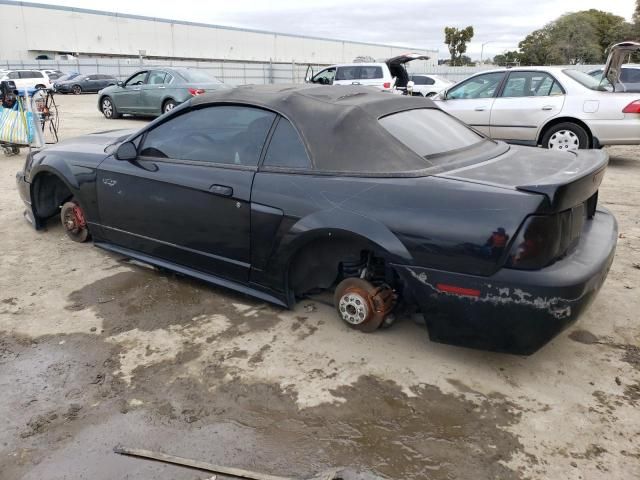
<point>566,179</point>
<point>618,53</point>
<point>405,58</point>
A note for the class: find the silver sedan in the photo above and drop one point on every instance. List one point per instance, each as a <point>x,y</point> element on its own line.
<point>555,107</point>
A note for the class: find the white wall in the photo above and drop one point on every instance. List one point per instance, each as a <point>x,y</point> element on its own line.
<point>28,29</point>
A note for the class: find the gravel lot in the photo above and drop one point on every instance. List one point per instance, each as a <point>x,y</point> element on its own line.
<point>96,351</point>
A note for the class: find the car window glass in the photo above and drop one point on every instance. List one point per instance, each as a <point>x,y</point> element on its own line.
<point>168,78</point>
<point>347,73</point>
<point>137,79</point>
<point>222,134</point>
<point>286,148</point>
<point>529,84</point>
<point>630,75</point>
<point>418,80</point>
<point>429,131</point>
<point>369,72</point>
<point>428,81</point>
<point>480,86</point>
<point>325,77</point>
<point>156,78</point>
<point>13,75</point>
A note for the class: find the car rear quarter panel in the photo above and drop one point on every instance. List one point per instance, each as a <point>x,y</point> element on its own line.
<point>428,221</point>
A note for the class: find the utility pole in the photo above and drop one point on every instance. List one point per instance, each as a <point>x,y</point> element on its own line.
<point>482,50</point>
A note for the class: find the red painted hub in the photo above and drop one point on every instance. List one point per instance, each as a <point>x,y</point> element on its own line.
<point>79,217</point>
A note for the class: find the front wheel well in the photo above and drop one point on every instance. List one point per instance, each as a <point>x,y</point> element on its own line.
<point>559,120</point>
<point>49,193</point>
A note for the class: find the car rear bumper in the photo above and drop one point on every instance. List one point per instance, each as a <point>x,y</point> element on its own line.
<point>624,131</point>
<point>515,311</point>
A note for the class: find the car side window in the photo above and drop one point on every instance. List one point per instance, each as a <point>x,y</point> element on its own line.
<point>220,134</point>
<point>428,81</point>
<point>137,79</point>
<point>286,148</point>
<point>156,77</point>
<point>480,86</point>
<point>369,73</point>
<point>325,77</point>
<point>13,75</point>
<point>168,79</point>
<point>531,84</point>
<point>630,75</point>
<point>347,73</point>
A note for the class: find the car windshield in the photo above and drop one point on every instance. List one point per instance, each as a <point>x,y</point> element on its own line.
<point>68,76</point>
<point>440,139</point>
<point>198,76</point>
<point>586,80</point>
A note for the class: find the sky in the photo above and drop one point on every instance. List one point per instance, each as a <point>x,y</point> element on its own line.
<point>410,23</point>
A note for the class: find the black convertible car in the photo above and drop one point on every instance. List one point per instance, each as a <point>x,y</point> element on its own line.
<point>279,191</point>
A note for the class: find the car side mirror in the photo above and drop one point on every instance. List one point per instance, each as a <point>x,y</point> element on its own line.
<point>444,94</point>
<point>127,151</point>
<point>120,84</point>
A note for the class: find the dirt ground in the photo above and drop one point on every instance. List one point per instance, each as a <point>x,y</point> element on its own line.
<point>96,351</point>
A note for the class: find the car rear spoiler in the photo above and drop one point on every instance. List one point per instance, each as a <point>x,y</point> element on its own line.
<point>574,184</point>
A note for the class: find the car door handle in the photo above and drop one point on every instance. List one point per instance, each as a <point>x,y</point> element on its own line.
<point>221,190</point>
<point>162,87</point>
<point>137,89</point>
<point>547,107</point>
<point>480,109</point>
<point>355,83</point>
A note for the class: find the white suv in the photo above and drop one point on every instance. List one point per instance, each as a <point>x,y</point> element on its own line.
<point>387,76</point>
<point>27,79</point>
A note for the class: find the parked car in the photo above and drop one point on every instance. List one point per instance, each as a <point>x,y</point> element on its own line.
<point>385,76</point>
<point>64,78</point>
<point>155,91</point>
<point>53,74</point>
<point>555,107</point>
<point>429,85</point>
<point>27,79</point>
<point>277,191</point>
<point>85,83</point>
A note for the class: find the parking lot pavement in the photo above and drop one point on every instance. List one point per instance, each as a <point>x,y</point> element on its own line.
<point>96,351</point>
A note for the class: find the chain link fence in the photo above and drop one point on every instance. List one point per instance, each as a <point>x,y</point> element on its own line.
<point>231,72</point>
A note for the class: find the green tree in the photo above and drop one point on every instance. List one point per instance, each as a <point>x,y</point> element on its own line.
<point>536,48</point>
<point>509,57</point>
<point>456,40</point>
<point>579,37</point>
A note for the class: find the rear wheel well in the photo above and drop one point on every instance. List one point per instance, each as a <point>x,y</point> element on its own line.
<point>49,193</point>
<point>165,101</point>
<point>323,263</point>
<point>556,121</point>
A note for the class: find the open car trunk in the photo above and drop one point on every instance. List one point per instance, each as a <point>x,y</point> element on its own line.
<point>618,53</point>
<point>397,67</point>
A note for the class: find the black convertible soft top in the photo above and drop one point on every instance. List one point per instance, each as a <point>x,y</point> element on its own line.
<point>339,124</point>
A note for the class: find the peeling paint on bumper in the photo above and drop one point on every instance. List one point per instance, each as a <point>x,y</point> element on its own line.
<point>516,311</point>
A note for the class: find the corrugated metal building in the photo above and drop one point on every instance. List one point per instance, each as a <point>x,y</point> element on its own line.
<point>32,29</point>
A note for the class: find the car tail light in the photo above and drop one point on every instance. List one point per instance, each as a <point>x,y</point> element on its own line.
<point>633,107</point>
<point>386,84</point>
<point>542,239</point>
<point>196,91</point>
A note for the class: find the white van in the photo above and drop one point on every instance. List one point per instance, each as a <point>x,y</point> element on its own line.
<point>387,76</point>
<point>27,79</point>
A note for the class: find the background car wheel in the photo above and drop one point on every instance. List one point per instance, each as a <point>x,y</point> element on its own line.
<point>108,108</point>
<point>565,137</point>
<point>168,106</point>
<point>430,94</point>
<point>362,305</point>
<point>74,222</point>
<point>40,87</point>
<point>77,89</point>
